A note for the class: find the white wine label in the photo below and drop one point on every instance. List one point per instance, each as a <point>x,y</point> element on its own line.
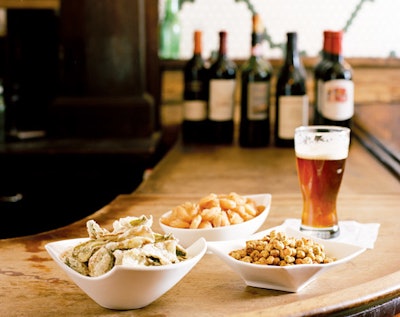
<point>221,99</point>
<point>194,110</point>
<point>338,100</point>
<point>257,98</point>
<point>293,112</point>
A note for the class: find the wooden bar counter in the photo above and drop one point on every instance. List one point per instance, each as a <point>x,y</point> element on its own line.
<point>31,284</point>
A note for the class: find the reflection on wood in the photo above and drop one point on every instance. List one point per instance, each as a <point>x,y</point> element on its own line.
<point>377,126</point>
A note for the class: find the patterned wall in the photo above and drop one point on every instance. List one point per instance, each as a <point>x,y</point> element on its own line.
<point>372,27</point>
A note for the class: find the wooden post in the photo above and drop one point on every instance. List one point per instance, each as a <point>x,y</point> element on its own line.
<point>103,71</point>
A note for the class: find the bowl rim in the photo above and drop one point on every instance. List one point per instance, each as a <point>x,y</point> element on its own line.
<point>217,245</point>
<point>266,211</point>
<point>50,247</point>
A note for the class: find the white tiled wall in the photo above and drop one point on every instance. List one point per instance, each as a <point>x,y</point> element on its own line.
<point>374,29</point>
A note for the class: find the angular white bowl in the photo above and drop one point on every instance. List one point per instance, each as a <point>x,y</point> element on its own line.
<point>187,236</point>
<point>284,278</point>
<point>124,287</point>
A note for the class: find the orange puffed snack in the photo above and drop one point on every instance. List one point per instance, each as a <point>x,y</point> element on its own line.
<point>213,211</point>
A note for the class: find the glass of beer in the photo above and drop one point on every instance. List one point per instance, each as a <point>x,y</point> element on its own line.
<point>321,153</point>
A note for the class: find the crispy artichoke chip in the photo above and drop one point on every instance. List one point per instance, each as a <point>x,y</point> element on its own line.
<point>101,262</point>
<point>73,263</point>
<point>94,230</point>
<point>131,242</point>
<point>83,251</point>
<point>134,242</point>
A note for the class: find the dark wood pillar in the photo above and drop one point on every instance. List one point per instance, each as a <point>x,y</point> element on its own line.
<point>103,85</point>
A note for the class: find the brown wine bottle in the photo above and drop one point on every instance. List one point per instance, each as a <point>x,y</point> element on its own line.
<point>221,96</point>
<point>337,88</point>
<point>195,95</point>
<point>291,95</point>
<point>256,75</point>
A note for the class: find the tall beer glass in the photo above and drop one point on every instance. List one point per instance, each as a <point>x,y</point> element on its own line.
<point>321,153</point>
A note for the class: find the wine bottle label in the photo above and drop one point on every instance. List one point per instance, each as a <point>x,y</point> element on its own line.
<point>221,99</point>
<point>338,100</point>
<point>194,110</point>
<point>257,96</point>
<point>194,85</point>
<point>293,112</point>
<point>320,93</point>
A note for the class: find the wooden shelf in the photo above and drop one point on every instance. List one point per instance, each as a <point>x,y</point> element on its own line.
<point>30,4</point>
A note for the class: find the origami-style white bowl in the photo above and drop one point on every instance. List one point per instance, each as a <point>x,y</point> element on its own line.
<point>125,287</point>
<point>284,278</point>
<point>187,236</point>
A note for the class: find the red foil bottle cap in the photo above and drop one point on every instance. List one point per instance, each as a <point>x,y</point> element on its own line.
<point>197,42</point>
<point>327,41</point>
<point>257,24</point>
<point>336,42</point>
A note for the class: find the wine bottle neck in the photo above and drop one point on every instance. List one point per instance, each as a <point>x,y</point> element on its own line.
<point>197,43</point>
<point>256,44</point>
<point>292,54</point>
<point>326,48</point>
<point>335,49</point>
<point>256,36</point>
<point>223,43</point>
<point>171,7</point>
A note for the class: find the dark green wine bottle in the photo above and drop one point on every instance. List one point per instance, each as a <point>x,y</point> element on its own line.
<point>221,96</point>
<point>256,75</point>
<point>291,95</point>
<point>194,127</point>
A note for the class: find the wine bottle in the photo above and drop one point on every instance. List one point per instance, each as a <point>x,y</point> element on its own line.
<point>221,95</point>
<point>195,95</point>
<point>170,31</point>
<point>256,75</point>
<point>337,88</point>
<point>324,62</point>
<point>291,95</point>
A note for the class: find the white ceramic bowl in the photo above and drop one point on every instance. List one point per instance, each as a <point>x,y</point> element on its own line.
<point>188,236</point>
<point>126,287</point>
<point>284,278</point>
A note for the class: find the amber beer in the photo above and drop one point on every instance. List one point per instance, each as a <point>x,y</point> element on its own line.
<point>321,153</point>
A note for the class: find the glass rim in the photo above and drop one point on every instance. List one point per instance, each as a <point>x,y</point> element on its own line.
<point>322,129</point>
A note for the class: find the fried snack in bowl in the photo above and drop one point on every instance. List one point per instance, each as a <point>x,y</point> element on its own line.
<point>217,217</point>
<point>282,258</point>
<point>127,268</point>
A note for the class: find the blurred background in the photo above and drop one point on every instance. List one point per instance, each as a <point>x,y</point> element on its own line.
<point>371,26</point>
<point>88,106</point>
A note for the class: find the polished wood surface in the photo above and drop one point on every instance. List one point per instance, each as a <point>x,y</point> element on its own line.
<point>200,170</point>
<point>382,121</point>
<point>377,126</point>
<point>32,285</point>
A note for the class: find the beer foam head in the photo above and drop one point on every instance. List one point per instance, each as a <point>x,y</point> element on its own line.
<point>322,142</point>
